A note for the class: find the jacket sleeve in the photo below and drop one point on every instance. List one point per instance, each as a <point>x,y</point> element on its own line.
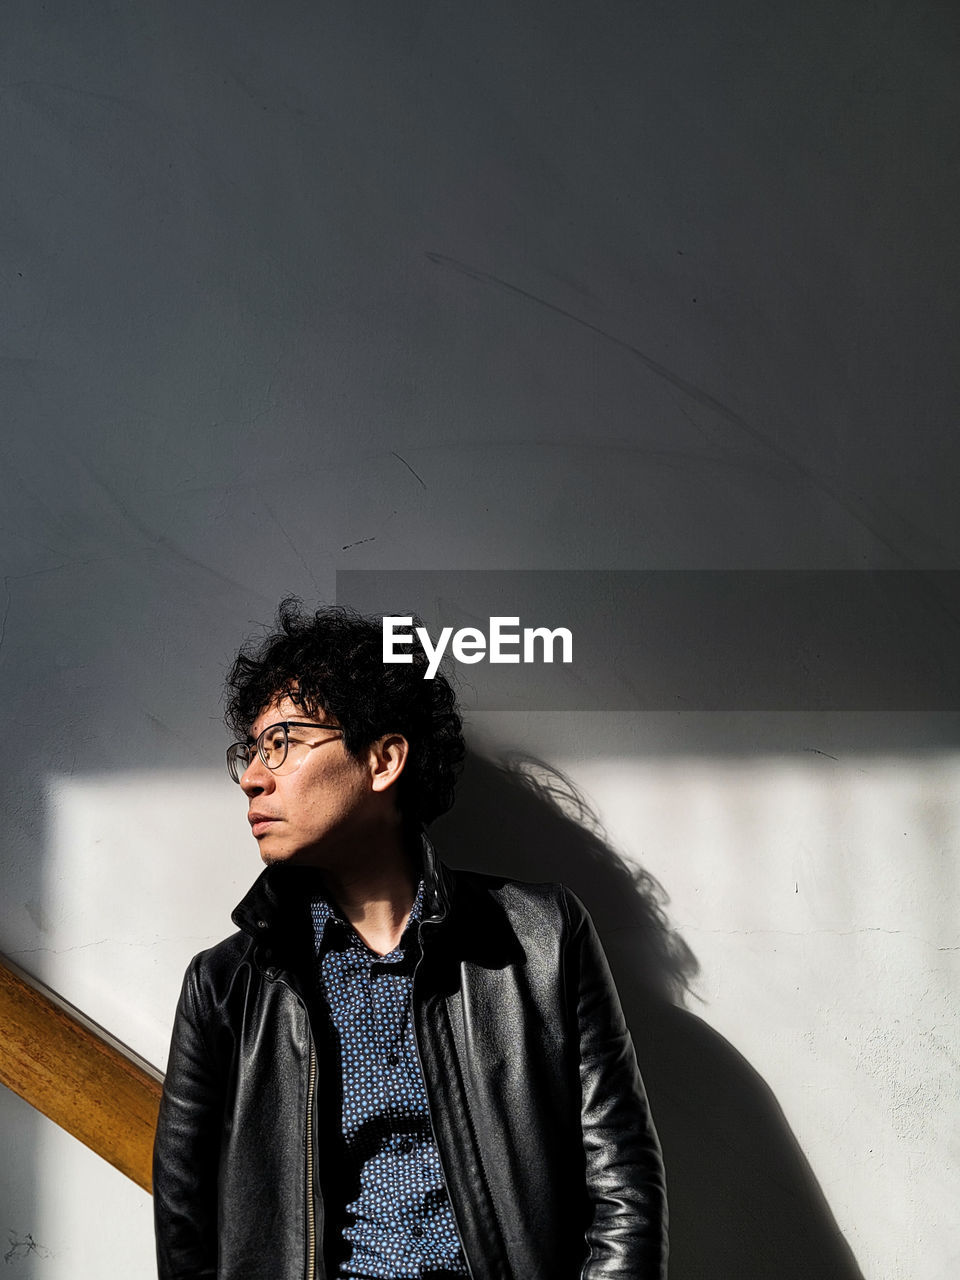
<point>186,1148</point>
<point>626,1234</point>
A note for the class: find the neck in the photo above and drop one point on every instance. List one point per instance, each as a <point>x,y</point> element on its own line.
<point>375,893</point>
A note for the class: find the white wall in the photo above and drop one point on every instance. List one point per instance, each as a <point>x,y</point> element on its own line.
<point>292,288</point>
<point>820,899</point>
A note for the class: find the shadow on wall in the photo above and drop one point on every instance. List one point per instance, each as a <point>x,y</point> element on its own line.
<point>744,1202</point>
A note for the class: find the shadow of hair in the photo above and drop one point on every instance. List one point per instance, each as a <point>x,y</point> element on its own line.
<point>744,1202</point>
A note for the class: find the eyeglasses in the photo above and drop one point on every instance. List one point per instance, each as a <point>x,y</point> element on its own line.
<point>275,746</point>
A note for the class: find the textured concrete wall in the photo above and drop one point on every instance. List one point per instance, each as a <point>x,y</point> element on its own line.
<point>293,288</point>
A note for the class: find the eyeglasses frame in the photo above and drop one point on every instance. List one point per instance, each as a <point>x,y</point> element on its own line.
<point>235,747</point>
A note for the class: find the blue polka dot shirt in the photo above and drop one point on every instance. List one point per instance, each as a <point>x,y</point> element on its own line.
<point>400,1225</point>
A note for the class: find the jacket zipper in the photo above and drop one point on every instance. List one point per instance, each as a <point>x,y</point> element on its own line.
<point>311,1272</point>
<point>311,1209</point>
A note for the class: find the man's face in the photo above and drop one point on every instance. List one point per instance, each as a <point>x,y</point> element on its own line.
<point>318,811</point>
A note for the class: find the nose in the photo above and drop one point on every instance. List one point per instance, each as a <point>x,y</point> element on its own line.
<point>256,778</point>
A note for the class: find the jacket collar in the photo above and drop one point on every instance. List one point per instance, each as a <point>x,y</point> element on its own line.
<point>437,883</point>
<point>279,892</point>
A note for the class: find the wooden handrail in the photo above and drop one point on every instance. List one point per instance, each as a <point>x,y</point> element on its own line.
<point>77,1074</point>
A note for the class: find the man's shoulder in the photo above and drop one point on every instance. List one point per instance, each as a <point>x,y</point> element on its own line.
<point>214,969</point>
<point>541,901</point>
<point>504,886</point>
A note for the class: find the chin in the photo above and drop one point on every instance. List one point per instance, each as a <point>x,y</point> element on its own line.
<point>272,853</point>
<point>311,857</point>
<point>276,857</point>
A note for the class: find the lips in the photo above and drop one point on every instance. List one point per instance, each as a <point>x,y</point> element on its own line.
<point>261,822</point>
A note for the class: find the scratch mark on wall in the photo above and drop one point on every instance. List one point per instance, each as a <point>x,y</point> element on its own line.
<point>102,942</point>
<point>157,541</point>
<point>290,542</point>
<point>50,88</point>
<point>58,951</point>
<point>23,1248</point>
<point>163,726</point>
<point>857,510</point>
<point>817,752</point>
<point>358,543</point>
<point>409,468</point>
<point>661,370</point>
<point>6,610</point>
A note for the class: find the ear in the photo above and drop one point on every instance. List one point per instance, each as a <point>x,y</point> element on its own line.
<point>387,757</point>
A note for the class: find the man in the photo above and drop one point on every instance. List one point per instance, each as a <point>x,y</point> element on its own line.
<point>393,1069</point>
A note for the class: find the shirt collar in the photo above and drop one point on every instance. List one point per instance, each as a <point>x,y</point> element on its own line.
<point>326,915</point>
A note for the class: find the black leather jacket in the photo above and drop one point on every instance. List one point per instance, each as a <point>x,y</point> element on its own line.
<point>552,1164</point>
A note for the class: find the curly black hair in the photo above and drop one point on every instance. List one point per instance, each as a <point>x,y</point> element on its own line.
<point>331,662</point>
